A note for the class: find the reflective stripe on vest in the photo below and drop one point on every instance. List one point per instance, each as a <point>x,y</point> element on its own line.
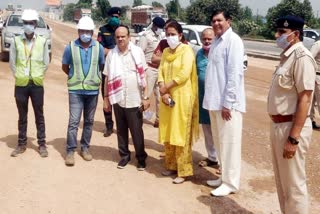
<point>35,64</point>
<point>79,81</point>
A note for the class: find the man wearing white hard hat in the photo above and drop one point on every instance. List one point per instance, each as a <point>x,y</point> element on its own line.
<point>29,60</point>
<point>83,62</point>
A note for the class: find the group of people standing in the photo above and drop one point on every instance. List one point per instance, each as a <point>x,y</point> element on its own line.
<point>207,88</point>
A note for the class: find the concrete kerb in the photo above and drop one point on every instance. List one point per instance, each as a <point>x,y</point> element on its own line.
<point>263,55</point>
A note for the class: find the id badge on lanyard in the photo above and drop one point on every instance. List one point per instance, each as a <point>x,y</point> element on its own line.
<point>27,69</point>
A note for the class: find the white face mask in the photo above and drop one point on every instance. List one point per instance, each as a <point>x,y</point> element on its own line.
<point>173,41</point>
<point>28,29</point>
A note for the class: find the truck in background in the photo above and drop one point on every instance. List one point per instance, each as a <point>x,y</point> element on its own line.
<point>141,16</point>
<point>79,13</point>
<point>19,7</point>
<point>10,7</point>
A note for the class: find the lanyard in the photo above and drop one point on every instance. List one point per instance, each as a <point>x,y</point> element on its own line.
<point>30,51</point>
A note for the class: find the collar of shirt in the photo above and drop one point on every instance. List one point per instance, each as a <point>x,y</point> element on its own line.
<point>226,34</point>
<point>77,43</point>
<point>24,36</point>
<point>291,49</point>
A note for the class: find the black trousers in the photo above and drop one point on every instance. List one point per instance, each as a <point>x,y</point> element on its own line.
<point>129,118</point>
<point>22,94</point>
<point>107,115</point>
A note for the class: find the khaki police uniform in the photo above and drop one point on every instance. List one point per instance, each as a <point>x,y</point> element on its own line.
<point>295,74</point>
<point>148,42</point>
<point>315,51</point>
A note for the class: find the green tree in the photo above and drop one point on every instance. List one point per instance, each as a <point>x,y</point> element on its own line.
<point>137,3</point>
<point>248,27</point>
<point>103,6</point>
<point>68,12</point>
<point>85,2</point>
<point>174,9</point>
<point>287,7</point>
<point>246,13</point>
<point>156,4</point>
<point>200,11</point>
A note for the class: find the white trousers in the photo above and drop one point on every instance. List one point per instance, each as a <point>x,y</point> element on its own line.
<point>208,139</point>
<point>227,137</point>
<point>290,174</point>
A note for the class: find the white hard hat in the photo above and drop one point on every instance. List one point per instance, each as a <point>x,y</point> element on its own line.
<point>86,23</point>
<point>30,15</point>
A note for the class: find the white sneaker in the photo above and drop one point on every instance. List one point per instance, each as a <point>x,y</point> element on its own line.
<point>214,183</point>
<point>222,190</point>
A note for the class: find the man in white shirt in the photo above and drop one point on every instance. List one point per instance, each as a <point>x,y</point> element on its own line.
<point>225,99</point>
<point>125,89</point>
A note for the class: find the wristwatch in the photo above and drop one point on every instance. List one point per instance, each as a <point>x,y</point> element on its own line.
<point>145,98</point>
<point>293,141</point>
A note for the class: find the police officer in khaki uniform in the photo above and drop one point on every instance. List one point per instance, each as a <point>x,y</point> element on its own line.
<point>148,42</point>
<point>289,102</point>
<point>315,50</point>
<point>107,40</point>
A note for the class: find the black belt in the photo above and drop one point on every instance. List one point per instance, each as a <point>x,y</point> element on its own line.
<point>318,73</point>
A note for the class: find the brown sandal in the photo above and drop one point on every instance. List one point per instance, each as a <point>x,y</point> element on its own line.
<point>207,162</point>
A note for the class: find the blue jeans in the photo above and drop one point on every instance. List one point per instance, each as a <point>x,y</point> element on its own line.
<point>77,103</point>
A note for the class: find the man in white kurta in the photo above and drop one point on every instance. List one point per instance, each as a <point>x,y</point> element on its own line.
<point>225,99</point>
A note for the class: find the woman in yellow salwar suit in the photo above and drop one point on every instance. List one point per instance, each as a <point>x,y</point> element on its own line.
<point>178,123</point>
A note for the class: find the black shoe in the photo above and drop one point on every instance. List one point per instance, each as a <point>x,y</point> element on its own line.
<point>141,165</point>
<point>122,163</point>
<point>18,150</point>
<point>43,151</point>
<point>107,132</point>
<point>315,126</point>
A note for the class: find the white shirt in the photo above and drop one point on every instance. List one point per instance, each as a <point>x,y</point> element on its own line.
<point>224,83</point>
<point>129,77</point>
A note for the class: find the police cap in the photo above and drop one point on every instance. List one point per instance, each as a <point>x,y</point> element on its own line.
<point>114,10</point>
<point>159,22</point>
<point>290,22</point>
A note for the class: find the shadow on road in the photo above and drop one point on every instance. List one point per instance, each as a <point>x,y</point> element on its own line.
<point>222,205</point>
<point>59,144</point>
<point>12,142</point>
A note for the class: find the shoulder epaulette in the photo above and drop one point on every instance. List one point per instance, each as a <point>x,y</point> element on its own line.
<point>300,52</point>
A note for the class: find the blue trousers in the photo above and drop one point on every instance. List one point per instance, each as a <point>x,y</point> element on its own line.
<point>79,103</point>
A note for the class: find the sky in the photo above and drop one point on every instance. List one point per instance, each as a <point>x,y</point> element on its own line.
<point>257,6</point>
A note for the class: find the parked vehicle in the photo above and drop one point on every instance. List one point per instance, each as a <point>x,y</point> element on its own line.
<point>13,27</point>
<point>1,24</point>
<point>79,13</point>
<point>312,33</point>
<point>141,16</point>
<point>192,34</point>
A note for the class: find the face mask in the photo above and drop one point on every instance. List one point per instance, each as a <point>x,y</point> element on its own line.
<point>114,22</point>
<point>282,41</point>
<point>159,31</point>
<point>85,38</point>
<point>28,29</point>
<point>173,41</point>
<point>206,47</point>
